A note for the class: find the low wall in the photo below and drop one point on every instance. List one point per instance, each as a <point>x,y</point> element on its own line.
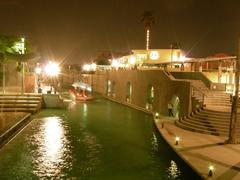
<point>53,101</point>
<point>164,88</point>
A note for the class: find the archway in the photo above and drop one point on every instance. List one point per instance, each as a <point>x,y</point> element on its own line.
<point>108,92</point>
<point>113,89</point>
<point>129,92</point>
<point>150,97</point>
<point>175,101</point>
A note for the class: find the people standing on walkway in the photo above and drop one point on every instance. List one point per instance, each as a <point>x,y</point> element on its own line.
<point>170,107</point>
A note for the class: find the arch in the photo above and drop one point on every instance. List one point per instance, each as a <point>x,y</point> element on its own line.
<point>113,89</point>
<point>150,94</point>
<point>129,92</point>
<point>109,88</point>
<point>175,101</point>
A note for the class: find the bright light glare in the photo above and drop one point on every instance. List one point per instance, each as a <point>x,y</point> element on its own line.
<point>86,67</point>
<point>52,69</point>
<point>93,66</point>
<point>177,138</point>
<point>38,70</point>
<point>115,63</point>
<point>211,168</point>
<point>132,60</point>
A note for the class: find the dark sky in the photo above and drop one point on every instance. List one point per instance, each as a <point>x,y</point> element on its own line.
<point>77,30</point>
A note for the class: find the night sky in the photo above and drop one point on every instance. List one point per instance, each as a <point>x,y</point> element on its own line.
<point>77,30</point>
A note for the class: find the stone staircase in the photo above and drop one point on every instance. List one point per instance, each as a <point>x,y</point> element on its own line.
<point>208,121</point>
<point>20,103</point>
<point>214,117</point>
<point>217,98</point>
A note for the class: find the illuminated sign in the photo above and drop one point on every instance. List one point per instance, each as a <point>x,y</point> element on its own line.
<point>154,55</point>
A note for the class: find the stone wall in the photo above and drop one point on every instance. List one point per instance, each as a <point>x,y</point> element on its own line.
<point>164,89</point>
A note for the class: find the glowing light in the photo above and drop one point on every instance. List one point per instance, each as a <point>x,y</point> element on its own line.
<point>86,67</point>
<point>132,60</point>
<point>177,139</point>
<point>93,66</point>
<point>89,67</point>
<point>52,69</point>
<point>175,57</point>
<point>182,58</point>
<point>210,170</point>
<point>211,167</point>
<point>115,63</point>
<point>229,88</point>
<point>154,55</point>
<point>147,40</point>
<point>38,70</point>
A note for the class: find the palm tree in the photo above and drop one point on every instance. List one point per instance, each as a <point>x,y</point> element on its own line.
<point>147,20</point>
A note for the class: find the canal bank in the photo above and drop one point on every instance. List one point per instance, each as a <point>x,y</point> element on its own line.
<point>159,125</point>
<point>201,151</point>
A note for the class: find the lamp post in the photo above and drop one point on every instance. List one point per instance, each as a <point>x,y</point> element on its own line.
<point>22,52</point>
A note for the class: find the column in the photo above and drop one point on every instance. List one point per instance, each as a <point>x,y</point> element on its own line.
<point>200,67</point>
<point>219,71</point>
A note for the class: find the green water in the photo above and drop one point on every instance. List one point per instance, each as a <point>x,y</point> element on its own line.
<point>95,140</point>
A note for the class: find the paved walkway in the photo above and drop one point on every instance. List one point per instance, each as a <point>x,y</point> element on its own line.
<point>201,150</point>
<point>9,119</point>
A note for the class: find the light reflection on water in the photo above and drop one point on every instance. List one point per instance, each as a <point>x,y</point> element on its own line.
<point>52,154</point>
<point>173,171</point>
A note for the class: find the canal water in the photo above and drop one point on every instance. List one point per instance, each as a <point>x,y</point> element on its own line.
<point>94,140</point>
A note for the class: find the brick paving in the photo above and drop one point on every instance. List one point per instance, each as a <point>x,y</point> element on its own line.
<point>201,150</point>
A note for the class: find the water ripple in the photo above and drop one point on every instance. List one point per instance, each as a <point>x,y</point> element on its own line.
<point>51,149</point>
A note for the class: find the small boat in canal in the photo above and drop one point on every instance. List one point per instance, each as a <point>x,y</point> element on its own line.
<point>81,92</point>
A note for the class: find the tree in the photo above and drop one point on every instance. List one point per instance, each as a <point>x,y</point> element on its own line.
<point>147,20</point>
<point>13,49</point>
<point>232,138</point>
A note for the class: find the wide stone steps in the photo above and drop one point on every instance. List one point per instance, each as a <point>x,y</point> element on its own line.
<point>208,124</point>
<point>20,103</point>
<point>25,109</point>
<point>212,120</point>
<point>196,129</point>
<point>217,98</point>
<point>208,121</point>
<point>213,116</point>
<point>11,101</point>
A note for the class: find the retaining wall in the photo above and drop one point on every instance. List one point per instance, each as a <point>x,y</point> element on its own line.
<point>164,88</point>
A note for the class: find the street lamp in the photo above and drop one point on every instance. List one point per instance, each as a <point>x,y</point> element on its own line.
<point>23,52</point>
<point>52,70</point>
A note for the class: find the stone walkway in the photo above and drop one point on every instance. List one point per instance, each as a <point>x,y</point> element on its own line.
<point>9,119</point>
<point>201,150</point>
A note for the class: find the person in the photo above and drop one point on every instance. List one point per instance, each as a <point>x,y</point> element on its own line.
<point>170,107</point>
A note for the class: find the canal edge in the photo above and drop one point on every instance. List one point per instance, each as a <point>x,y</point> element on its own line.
<point>177,152</point>
<point>155,124</point>
<point>6,137</point>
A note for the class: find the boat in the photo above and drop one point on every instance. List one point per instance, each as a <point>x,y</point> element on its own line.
<point>81,92</point>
